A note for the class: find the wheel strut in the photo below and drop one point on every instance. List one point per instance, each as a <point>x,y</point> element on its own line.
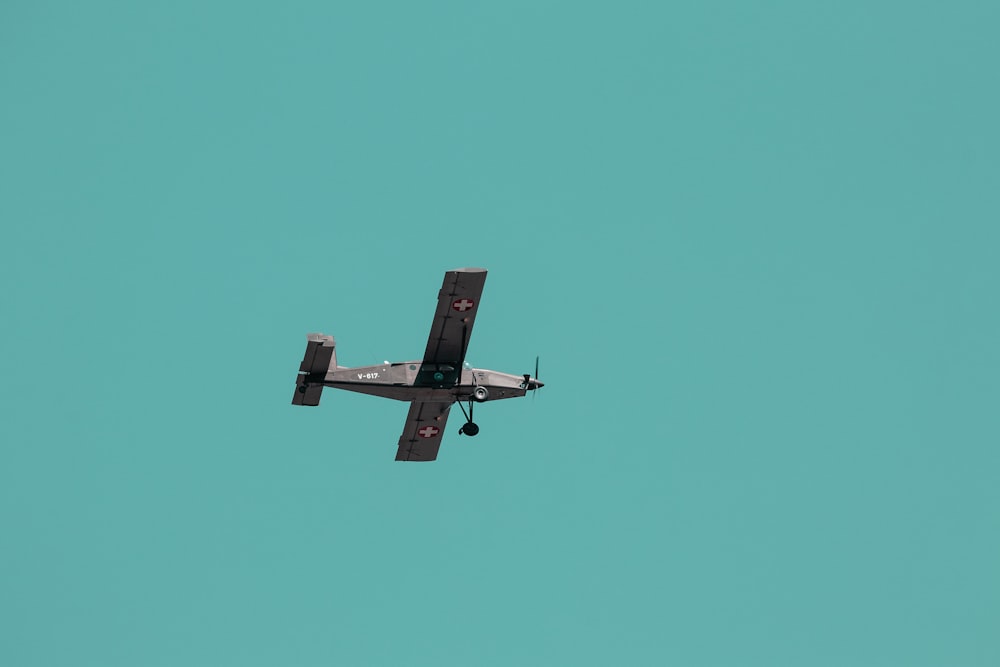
<point>470,428</point>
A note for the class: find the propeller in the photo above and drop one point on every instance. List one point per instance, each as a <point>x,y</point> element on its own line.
<point>527,380</point>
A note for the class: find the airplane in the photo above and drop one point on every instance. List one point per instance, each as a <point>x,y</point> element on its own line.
<point>431,384</point>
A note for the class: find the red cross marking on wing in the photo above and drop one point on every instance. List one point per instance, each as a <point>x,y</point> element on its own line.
<point>428,431</point>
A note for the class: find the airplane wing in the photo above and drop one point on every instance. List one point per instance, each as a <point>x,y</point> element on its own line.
<point>423,431</point>
<point>458,303</point>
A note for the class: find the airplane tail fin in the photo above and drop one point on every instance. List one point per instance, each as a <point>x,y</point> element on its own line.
<point>320,357</point>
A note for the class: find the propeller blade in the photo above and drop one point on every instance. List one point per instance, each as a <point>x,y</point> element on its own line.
<point>537,389</point>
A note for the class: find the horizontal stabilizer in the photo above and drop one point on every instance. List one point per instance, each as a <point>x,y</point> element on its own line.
<point>321,354</point>
<point>320,357</point>
<point>307,394</point>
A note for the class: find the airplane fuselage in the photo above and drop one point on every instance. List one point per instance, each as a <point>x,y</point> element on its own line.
<point>417,381</point>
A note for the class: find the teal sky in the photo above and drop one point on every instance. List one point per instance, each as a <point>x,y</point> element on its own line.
<point>755,245</point>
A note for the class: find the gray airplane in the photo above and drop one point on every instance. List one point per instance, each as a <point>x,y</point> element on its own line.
<point>431,385</point>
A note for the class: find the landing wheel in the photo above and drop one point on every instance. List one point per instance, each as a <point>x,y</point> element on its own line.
<point>470,429</point>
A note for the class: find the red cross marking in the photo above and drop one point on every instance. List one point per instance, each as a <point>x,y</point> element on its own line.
<point>463,305</point>
<point>428,431</point>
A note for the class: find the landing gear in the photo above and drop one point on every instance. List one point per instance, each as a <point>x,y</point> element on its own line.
<point>471,428</point>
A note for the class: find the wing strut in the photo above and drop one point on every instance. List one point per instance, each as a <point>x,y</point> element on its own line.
<point>461,362</point>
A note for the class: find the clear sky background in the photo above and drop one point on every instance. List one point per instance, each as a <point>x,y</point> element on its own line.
<point>755,245</point>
